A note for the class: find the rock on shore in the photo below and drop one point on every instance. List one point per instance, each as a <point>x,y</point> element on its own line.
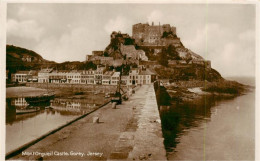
<point>188,91</point>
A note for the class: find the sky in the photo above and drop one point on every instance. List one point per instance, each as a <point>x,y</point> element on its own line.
<point>222,33</point>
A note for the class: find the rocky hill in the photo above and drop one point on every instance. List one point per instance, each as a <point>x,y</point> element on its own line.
<point>113,48</point>
<point>170,48</point>
<point>18,58</point>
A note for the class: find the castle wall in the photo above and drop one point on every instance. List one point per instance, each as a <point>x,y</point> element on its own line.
<point>144,34</point>
<point>97,53</point>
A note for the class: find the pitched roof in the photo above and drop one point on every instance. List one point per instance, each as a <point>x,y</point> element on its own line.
<point>109,73</point>
<point>22,72</point>
<point>147,72</point>
<point>116,74</point>
<point>46,70</point>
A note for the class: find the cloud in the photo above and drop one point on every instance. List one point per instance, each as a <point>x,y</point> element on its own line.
<point>236,60</point>
<point>247,36</point>
<point>25,13</point>
<point>118,24</point>
<point>73,45</point>
<point>231,53</point>
<point>24,29</point>
<point>155,16</point>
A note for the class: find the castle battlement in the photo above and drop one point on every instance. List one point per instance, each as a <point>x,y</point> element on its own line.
<point>145,34</point>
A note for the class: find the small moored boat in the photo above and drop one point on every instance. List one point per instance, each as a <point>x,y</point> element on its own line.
<point>27,110</point>
<point>35,100</point>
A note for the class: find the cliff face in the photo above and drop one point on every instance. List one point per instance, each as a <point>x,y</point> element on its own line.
<point>117,39</point>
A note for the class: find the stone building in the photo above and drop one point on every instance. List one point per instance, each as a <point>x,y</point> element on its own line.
<point>115,78</point>
<point>133,76</point>
<point>74,77</point>
<point>125,80</point>
<point>97,53</point>
<point>20,76</point>
<point>152,35</point>
<point>106,79</point>
<point>146,77</point>
<point>43,75</point>
<point>98,75</point>
<point>58,76</point>
<point>87,76</point>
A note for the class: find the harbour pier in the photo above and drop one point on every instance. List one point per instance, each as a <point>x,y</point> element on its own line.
<point>131,131</point>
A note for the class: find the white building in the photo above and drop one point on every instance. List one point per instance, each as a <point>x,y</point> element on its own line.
<point>133,76</point>
<point>115,78</point>
<point>88,76</point>
<point>74,77</point>
<point>106,79</point>
<point>145,77</point>
<point>58,76</point>
<point>98,75</point>
<point>125,80</point>
<point>21,76</point>
<point>43,75</point>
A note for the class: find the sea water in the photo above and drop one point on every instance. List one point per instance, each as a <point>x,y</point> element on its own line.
<point>212,129</point>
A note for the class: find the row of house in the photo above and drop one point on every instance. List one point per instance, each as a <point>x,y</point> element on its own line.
<point>99,76</point>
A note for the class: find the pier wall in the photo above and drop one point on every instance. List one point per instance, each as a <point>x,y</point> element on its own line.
<point>77,87</point>
<point>148,137</point>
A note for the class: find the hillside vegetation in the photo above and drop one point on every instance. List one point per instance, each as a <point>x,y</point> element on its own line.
<point>16,59</point>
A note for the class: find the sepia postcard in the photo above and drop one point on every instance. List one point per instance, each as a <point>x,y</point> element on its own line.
<point>129,80</point>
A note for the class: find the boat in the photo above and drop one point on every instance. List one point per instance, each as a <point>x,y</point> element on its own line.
<point>41,99</point>
<point>27,110</point>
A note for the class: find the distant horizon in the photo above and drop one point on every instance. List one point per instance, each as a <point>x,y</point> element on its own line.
<point>226,38</point>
